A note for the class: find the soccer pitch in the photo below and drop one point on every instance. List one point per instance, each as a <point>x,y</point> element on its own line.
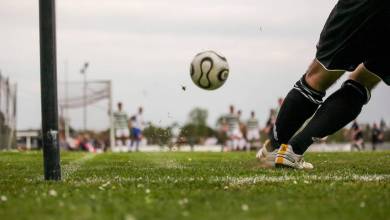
<point>195,186</point>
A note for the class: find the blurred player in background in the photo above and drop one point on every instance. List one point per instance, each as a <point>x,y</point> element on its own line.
<point>233,129</point>
<point>253,130</point>
<point>382,128</point>
<point>137,125</point>
<point>355,38</point>
<point>382,125</point>
<point>121,126</point>
<point>242,143</point>
<point>357,137</point>
<point>269,125</point>
<point>375,136</point>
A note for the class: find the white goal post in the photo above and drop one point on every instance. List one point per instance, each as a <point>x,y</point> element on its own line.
<point>73,97</point>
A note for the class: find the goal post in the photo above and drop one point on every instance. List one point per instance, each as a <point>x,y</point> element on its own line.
<point>49,102</point>
<point>74,97</point>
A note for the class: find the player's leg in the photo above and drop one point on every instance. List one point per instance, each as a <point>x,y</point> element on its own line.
<point>229,141</point>
<point>253,138</point>
<point>299,105</point>
<point>236,139</point>
<point>138,139</point>
<point>117,138</point>
<point>355,146</point>
<point>339,109</point>
<point>131,139</point>
<point>339,48</point>
<point>302,101</point>
<point>344,44</point>
<point>332,49</point>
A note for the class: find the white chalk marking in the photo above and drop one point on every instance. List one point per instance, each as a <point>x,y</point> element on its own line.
<point>75,165</point>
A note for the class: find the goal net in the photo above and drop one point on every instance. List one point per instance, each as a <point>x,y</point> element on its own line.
<point>86,107</point>
<point>7,113</point>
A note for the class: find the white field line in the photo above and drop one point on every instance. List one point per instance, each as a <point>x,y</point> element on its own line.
<point>238,181</point>
<point>75,165</point>
<point>305,179</point>
<point>168,164</point>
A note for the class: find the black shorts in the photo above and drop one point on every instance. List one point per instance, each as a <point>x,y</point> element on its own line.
<point>357,31</point>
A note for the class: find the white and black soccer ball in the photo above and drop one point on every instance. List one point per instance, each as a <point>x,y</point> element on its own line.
<point>209,70</point>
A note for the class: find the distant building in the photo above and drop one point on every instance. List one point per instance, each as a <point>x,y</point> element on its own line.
<point>28,139</point>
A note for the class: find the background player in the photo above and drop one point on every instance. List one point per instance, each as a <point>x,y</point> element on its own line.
<point>121,126</point>
<point>253,130</point>
<point>233,129</point>
<point>375,136</point>
<point>137,125</point>
<point>242,142</point>
<point>357,138</point>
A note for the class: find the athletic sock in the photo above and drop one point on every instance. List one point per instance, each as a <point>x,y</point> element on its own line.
<point>299,105</point>
<point>337,111</point>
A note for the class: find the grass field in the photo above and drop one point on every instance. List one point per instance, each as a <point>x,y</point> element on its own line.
<point>194,186</point>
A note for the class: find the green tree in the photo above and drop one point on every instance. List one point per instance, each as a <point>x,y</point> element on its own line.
<point>157,135</point>
<point>198,116</point>
<point>196,130</point>
<point>340,136</point>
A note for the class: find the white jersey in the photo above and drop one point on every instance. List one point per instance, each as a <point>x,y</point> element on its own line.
<point>138,121</point>
<point>120,120</point>
<point>233,126</point>
<point>232,122</point>
<point>252,124</point>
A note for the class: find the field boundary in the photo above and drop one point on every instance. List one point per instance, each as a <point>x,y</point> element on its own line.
<point>321,147</point>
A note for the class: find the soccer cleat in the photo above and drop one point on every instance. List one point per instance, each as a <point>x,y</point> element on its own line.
<point>266,155</point>
<point>286,157</point>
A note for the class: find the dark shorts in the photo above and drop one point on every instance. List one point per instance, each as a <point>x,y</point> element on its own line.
<point>357,31</point>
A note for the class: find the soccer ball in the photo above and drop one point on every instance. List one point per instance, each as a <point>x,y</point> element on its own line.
<point>209,70</point>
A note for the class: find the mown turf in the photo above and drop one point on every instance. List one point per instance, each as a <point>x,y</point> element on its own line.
<point>194,186</point>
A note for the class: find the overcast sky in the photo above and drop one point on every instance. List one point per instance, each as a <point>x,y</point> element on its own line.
<point>145,47</point>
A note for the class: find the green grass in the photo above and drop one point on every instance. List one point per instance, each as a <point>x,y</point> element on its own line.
<point>195,186</point>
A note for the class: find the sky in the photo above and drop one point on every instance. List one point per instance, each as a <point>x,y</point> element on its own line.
<point>145,48</point>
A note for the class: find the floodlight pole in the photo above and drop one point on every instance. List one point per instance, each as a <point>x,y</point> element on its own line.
<point>49,102</point>
<point>85,101</point>
<point>111,113</point>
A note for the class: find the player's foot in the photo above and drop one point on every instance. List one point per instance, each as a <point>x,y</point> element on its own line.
<point>266,155</point>
<point>286,157</point>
